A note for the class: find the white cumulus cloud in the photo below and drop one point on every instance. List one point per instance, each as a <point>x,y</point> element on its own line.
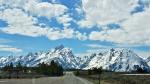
<point>65,20</point>
<point>10,49</point>
<point>135,30</point>
<point>103,12</point>
<point>45,9</point>
<point>23,24</point>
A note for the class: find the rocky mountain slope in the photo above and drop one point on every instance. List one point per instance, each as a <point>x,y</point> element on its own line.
<point>62,55</point>
<point>119,60</point>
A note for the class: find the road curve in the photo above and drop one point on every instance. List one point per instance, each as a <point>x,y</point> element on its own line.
<point>69,78</point>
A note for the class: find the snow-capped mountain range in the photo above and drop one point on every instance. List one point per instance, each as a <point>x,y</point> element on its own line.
<point>119,60</point>
<point>62,55</point>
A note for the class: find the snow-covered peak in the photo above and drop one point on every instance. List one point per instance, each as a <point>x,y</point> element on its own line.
<point>60,47</point>
<point>61,54</point>
<point>148,61</point>
<point>113,59</point>
<point>118,60</point>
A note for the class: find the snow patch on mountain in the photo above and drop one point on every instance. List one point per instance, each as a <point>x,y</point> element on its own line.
<point>120,60</point>
<point>148,61</point>
<point>60,54</point>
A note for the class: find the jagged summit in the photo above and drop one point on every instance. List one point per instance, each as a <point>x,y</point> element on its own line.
<point>61,54</point>
<point>60,47</point>
<point>119,60</point>
<point>148,60</point>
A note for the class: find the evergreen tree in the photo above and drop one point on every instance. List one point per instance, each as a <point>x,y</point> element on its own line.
<point>10,69</point>
<point>52,69</point>
<point>89,72</point>
<point>18,69</point>
<point>100,72</point>
<point>11,66</point>
<point>5,68</point>
<point>140,70</point>
<point>77,73</point>
<point>25,68</point>
<point>61,70</point>
<point>19,66</point>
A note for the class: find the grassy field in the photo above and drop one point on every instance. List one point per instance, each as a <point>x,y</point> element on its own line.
<point>115,78</point>
<point>5,75</point>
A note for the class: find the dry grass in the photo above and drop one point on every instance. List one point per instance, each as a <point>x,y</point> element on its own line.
<point>116,78</point>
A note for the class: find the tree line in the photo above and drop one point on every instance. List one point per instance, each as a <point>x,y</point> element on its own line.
<point>52,69</point>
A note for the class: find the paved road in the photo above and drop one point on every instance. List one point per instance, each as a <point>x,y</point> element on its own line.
<point>69,78</point>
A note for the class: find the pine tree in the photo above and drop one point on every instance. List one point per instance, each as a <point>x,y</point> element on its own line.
<point>10,69</point>
<point>11,66</point>
<point>18,69</point>
<point>25,68</point>
<point>52,69</point>
<point>89,72</point>
<point>5,68</point>
<point>77,73</point>
<point>61,70</point>
<point>100,72</point>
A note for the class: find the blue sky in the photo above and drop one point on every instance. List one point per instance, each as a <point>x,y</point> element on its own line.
<point>83,25</point>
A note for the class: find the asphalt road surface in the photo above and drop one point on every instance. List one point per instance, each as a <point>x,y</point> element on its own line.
<point>69,78</point>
